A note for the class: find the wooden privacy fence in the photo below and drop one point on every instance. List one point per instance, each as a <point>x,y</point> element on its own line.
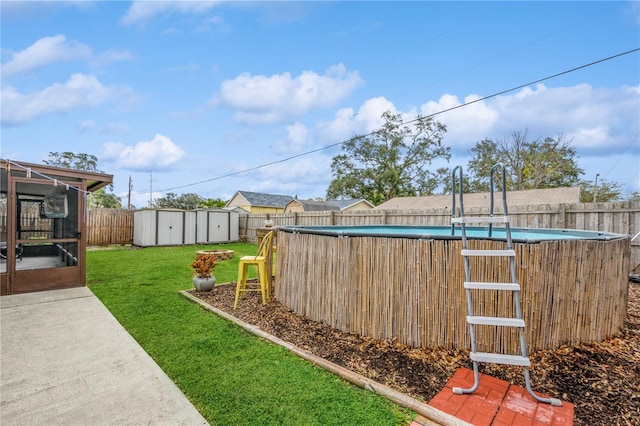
<point>411,290</point>
<point>621,218</point>
<point>109,226</point>
<point>115,226</point>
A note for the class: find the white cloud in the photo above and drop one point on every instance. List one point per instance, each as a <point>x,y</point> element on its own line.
<point>118,128</point>
<point>596,119</point>
<point>79,91</point>
<point>111,55</point>
<point>465,126</point>
<point>300,177</point>
<point>141,10</point>
<point>298,138</point>
<point>262,99</point>
<point>160,153</point>
<point>346,124</point>
<point>43,52</point>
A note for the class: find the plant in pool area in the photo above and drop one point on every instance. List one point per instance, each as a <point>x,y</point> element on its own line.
<point>203,265</point>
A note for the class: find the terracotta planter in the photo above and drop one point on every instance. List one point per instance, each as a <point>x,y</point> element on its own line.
<point>204,284</point>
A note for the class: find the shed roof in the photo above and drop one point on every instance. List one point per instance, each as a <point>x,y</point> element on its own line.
<point>481,199</point>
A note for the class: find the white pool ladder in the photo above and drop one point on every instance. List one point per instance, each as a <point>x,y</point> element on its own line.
<point>513,286</point>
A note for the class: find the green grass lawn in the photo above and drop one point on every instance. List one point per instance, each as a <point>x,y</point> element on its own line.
<point>231,376</point>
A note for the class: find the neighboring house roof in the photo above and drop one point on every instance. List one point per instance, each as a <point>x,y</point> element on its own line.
<point>264,200</point>
<point>345,204</point>
<point>314,206</point>
<point>482,199</point>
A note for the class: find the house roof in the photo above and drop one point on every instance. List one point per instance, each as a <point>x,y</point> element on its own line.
<point>482,199</point>
<point>345,204</point>
<point>265,200</point>
<point>315,206</point>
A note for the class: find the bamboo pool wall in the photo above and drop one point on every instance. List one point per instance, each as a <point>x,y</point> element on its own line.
<point>411,290</point>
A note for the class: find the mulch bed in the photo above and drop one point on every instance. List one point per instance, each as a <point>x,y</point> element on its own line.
<point>601,380</point>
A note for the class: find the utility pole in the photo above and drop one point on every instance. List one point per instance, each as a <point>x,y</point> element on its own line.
<point>129,194</point>
<point>595,189</point>
<point>150,188</point>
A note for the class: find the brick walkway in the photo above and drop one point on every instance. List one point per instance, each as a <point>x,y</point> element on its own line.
<point>498,403</point>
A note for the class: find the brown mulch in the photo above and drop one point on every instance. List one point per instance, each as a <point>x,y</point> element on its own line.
<point>601,380</point>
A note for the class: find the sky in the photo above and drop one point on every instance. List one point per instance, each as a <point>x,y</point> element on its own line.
<point>193,97</point>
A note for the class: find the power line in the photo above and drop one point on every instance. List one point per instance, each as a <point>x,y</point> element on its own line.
<point>502,92</point>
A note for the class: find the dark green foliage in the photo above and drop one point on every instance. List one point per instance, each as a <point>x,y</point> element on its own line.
<point>392,162</point>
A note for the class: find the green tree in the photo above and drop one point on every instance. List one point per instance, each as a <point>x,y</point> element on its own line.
<point>605,191</point>
<point>548,163</point>
<point>71,160</point>
<point>391,162</point>
<point>101,198</point>
<point>212,203</point>
<point>634,196</point>
<point>485,155</point>
<point>187,201</point>
<point>88,163</point>
<point>551,163</point>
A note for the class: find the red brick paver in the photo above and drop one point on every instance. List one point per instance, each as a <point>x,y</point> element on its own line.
<point>498,403</point>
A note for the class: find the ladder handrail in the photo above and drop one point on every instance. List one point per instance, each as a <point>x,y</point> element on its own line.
<point>504,188</point>
<point>453,195</point>
<point>493,169</point>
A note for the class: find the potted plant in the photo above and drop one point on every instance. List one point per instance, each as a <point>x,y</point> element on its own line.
<point>203,279</point>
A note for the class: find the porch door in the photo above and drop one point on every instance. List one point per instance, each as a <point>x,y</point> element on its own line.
<point>45,250</point>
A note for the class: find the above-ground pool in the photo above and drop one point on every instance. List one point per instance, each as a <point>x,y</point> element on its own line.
<point>406,283</point>
<point>529,235</point>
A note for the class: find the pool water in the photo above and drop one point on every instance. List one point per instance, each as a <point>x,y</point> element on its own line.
<point>444,232</point>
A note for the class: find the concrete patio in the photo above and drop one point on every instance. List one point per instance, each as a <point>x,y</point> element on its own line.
<point>65,360</point>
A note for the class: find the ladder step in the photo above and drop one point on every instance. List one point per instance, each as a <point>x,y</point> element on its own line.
<point>499,321</point>
<point>488,252</point>
<point>480,219</point>
<point>500,359</point>
<point>491,286</point>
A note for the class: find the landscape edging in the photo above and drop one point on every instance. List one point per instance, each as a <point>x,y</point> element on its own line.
<point>399,398</point>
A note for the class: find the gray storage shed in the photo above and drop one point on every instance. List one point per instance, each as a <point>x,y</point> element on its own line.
<point>217,226</point>
<point>170,227</point>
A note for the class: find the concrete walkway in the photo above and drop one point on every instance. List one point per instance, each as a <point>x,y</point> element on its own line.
<point>65,360</point>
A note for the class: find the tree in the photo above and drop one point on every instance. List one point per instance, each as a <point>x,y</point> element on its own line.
<point>101,198</point>
<point>634,196</point>
<point>187,201</point>
<point>391,162</point>
<point>89,163</point>
<point>211,203</point>
<point>603,191</point>
<point>548,163</point>
<point>486,155</point>
<point>71,160</point>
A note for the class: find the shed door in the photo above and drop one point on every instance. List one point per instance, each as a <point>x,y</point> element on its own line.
<point>218,227</point>
<point>44,249</point>
<point>170,228</point>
